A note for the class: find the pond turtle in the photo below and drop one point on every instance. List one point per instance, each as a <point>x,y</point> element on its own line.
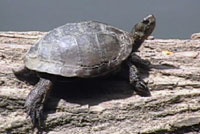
<point>87,49</point>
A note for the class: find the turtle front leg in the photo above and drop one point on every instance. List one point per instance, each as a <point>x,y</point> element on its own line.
<point>24,74</point>
<point>135,81</point>
<point>35,101</point>
<point>141,63</point>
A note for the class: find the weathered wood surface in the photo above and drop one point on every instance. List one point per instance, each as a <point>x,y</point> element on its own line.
<point>109,108</point>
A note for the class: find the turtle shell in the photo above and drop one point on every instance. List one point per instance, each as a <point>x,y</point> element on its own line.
<point>84,49</point>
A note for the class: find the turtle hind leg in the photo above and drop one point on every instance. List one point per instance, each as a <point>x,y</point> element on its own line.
<point>35,102</point>
<point>24,74</point>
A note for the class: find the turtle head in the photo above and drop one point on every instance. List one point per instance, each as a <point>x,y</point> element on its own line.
<point>145,27</point>
<point>142,30</point>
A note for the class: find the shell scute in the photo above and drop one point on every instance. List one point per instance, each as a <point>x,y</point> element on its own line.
<point>85,49</point>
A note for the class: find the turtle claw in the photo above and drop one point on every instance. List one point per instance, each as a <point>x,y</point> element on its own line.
<point>142,89</point>
<point>35,112</point>
<point>140,86</point>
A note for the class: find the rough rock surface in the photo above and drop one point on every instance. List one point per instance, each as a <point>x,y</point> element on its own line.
<point>195,36</point>
<point>109,107</point>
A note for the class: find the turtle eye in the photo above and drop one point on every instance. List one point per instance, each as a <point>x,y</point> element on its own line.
<point>146,21</point>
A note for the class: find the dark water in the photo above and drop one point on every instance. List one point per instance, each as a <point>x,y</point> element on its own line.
<point>175,18</point>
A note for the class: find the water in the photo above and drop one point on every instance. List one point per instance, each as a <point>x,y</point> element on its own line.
<point>175,18</point>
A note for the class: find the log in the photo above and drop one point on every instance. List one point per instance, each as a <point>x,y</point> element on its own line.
<point>109,107</point>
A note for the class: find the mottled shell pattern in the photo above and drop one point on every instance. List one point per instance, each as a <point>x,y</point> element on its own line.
<point>84,49</point>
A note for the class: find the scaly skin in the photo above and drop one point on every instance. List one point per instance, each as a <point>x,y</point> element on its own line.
<point>140,32</point>
<point>24,74</point>
<point>35,101</point>
<point>139,85</point>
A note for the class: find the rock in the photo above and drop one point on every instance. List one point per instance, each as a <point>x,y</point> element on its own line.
<point>195,36</point>
<point>109,107</point>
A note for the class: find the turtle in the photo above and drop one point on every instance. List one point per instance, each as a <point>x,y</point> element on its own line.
<point>82,50</point>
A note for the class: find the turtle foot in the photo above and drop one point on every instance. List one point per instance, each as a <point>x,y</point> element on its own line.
<point>139,85</point>
<point>35,111</point>
<point>142,89</point>
<point>36,100</point>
